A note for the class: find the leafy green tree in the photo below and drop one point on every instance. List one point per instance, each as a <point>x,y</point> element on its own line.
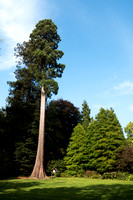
<point>105,135</point>
<point>129,131</point>
<point>40,56</point>
<point>61,117</point>
<point>24,155</point>
<point>22,118</point>
<point>59,165</point>
<point>125,158</point>
<point>5,161</point>
<point>85,113</point>
<point>74,158</point>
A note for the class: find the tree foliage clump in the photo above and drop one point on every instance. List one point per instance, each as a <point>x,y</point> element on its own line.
<point>40,55</point>
<point>129,131</point>
<point>104,137</point>
<point>74,158</point>
<point>94,148</point>
<point>125,158</point>
<point>6,162</point>
<point>61,117</point>
<point>85,113</point>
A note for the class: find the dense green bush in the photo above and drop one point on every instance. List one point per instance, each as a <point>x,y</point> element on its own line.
<point>130,177</point>
<point>109,175</point>
<point>115,175</point>
<point>55,164</point>
<point>125,159</point>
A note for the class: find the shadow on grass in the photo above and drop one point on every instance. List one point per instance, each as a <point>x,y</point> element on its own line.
<point>20,191</point>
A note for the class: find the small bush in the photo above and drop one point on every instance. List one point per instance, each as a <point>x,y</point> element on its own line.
<point>115,175</point>
<point>130,177</point>
<point>74,173</point>
<point>65,175</point>
<point>56,164</point>
<point>92,174</point>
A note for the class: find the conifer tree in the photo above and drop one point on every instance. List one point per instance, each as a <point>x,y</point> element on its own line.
<point>40,56</point>
<point>105,135</point>
<point>85,114</point>
<point>22,116</point>
<point>75,152</point>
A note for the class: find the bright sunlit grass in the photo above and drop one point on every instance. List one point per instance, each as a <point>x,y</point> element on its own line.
<point>66,189</point>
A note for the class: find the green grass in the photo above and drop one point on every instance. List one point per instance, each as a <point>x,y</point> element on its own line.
<point>66,189</point>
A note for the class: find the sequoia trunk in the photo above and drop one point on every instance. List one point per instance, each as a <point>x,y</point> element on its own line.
<point>38,171</point>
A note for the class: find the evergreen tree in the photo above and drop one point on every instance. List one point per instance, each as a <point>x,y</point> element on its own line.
<point>5,155</point>
<point>22,118</point>
<point>105,135</point>
<point>40,56</point>
<point>74,158</point>
<point>85,113</point>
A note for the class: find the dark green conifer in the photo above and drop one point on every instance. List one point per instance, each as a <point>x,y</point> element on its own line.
<point>85,114</point>
<point>105,135</point>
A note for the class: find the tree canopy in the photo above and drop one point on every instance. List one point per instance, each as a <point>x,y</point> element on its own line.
<point>41,56</point>
<point>74,158</point>
<point>85,113</point>
<point>129,131</point>
<point>105,135</point>
<point>61,117</point>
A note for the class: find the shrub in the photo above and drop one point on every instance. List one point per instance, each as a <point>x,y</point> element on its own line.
<point>115,175</point>
<point>92,174</point>
<point>55,164</point>
<point>125,158</point>
<point>74,173</point>
<point>130,177</point>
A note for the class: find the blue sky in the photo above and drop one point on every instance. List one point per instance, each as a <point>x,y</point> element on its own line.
<point>97,40</point>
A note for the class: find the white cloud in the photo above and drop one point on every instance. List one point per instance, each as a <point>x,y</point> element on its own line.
<point>17,20</point>
<point>125,88</point>
<point>16,23</point>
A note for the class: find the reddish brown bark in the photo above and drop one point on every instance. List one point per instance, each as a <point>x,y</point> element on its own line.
<point>38,170</point>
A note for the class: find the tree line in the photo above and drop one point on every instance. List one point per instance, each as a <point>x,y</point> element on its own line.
<point>73,139</point>
<point>99,145</point>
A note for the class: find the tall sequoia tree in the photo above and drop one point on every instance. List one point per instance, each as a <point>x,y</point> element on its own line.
<point>40,56</point>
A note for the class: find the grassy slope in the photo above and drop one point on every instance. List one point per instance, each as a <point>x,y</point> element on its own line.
<point>66,189</point>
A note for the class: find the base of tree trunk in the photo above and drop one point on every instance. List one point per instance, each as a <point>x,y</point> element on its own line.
<point>45,177</point>
<point>34,177</point>
<point>38,173</point>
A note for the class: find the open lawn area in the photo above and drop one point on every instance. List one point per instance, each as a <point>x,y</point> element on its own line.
<point>66,189</point>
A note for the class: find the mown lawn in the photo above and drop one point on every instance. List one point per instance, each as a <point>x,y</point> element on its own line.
<point>66,189</point>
